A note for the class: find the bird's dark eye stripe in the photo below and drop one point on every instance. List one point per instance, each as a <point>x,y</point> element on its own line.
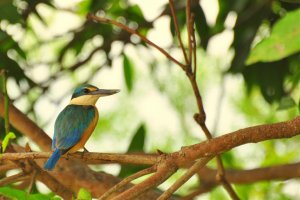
<point>86,90</point>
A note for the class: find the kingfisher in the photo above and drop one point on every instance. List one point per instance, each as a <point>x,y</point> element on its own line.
<point>76,122</point>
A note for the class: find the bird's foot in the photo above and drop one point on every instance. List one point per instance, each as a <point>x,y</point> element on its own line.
<point>84,151</point>
<point>159,152</point>
<point>67,156</point>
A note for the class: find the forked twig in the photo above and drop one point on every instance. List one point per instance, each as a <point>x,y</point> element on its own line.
<point>127,180</point>
<point>184,178</point>
<point>134,32</point>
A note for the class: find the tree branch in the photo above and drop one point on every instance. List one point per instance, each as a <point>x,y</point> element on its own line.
<point>165,169</point>
<point>172,7</point>
<point>14,178</point>
<point>134,32</point>
<point>128,180</point>
<point>183,179</point>
<point>187,154</point>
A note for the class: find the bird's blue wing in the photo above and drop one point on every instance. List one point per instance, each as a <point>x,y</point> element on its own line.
<point>70,125</point>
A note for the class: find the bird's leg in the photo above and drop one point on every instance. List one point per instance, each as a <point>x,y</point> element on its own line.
<point>84,151</point>
<point>67,156</point>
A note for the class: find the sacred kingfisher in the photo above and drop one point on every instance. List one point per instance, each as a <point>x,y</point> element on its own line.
<point>76,122</point>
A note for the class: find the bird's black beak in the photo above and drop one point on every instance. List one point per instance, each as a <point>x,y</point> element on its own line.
<point>103,92</point>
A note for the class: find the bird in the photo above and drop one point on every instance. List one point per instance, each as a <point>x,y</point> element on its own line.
<point>76,122</point>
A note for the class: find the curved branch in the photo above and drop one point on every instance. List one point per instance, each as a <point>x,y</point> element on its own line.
<point>277,172</point>
<point>187,154</point>
<point>134,32</point>
<point>226,142</point>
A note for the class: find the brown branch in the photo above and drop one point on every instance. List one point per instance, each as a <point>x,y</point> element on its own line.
<point>172,7</point>
<point>183,179</point>
<point>194,47</point>
<point>226,142</point>
<point>201,116</point>
<point>26,126</point>
<point>277,172</point>
<point>89,157</point>
<point>70,173</point>
<point>190,153</point>
<point>189,30</point>
<point>128,180</point>
<point>14,178</point>
<point>7,166</point>
<point>165,169</point>
<point>134,32</point>
<point>32,181</point>
<point>50,181</point>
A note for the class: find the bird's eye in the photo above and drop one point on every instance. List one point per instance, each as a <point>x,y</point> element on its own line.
<point>86,90</point>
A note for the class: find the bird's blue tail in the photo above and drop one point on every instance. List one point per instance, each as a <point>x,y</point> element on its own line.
<point>51,162</point>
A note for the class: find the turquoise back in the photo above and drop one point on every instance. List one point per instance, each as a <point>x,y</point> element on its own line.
<point>71,124</point>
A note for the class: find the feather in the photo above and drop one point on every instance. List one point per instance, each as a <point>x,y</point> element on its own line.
<point>49,165</point>
<point>71,124</point>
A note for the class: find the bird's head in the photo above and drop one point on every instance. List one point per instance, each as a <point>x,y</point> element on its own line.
<point>88,94</point>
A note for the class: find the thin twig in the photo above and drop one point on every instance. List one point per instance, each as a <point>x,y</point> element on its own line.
<point>189,25</point>
<point>194,46</point>
<point>127,180</point>
<point>172,7</point>
<point>134,32</point>
<point>7,166</point>
<point>32,181</point>
<point>201,117</point>
<point>184,178</point>
<point>14,178</point>
<point>222,178</point>
<point>164,170</point>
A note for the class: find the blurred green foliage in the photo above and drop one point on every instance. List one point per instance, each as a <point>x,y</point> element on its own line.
<point>16,194</point>
<point>270,75</point>
<point>136,146</point>
<point>83,194</point>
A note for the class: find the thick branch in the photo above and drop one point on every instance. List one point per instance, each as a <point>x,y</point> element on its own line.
<point>73,175</point>
<point>279,172</point>
<point>226,142</point>
<point>26,126</point>
<point>89,157</point>
<point>188,154</point>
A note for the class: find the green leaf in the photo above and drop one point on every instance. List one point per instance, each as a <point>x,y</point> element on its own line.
<point>283,41</point>
<point>83,194</point>
<point>286,103</point>
<point>6,140</point>
<point>9,12</point>
<point>128,72</point>
<point>16,194</point>
<point>12,193</point>
<point>138,140</point>
<point>136,145</point>
<point>299,106</point>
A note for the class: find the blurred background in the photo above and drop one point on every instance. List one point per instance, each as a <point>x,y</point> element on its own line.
<point>48,48</point>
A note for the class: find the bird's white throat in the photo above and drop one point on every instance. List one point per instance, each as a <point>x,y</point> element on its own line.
<point>86,100</point>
